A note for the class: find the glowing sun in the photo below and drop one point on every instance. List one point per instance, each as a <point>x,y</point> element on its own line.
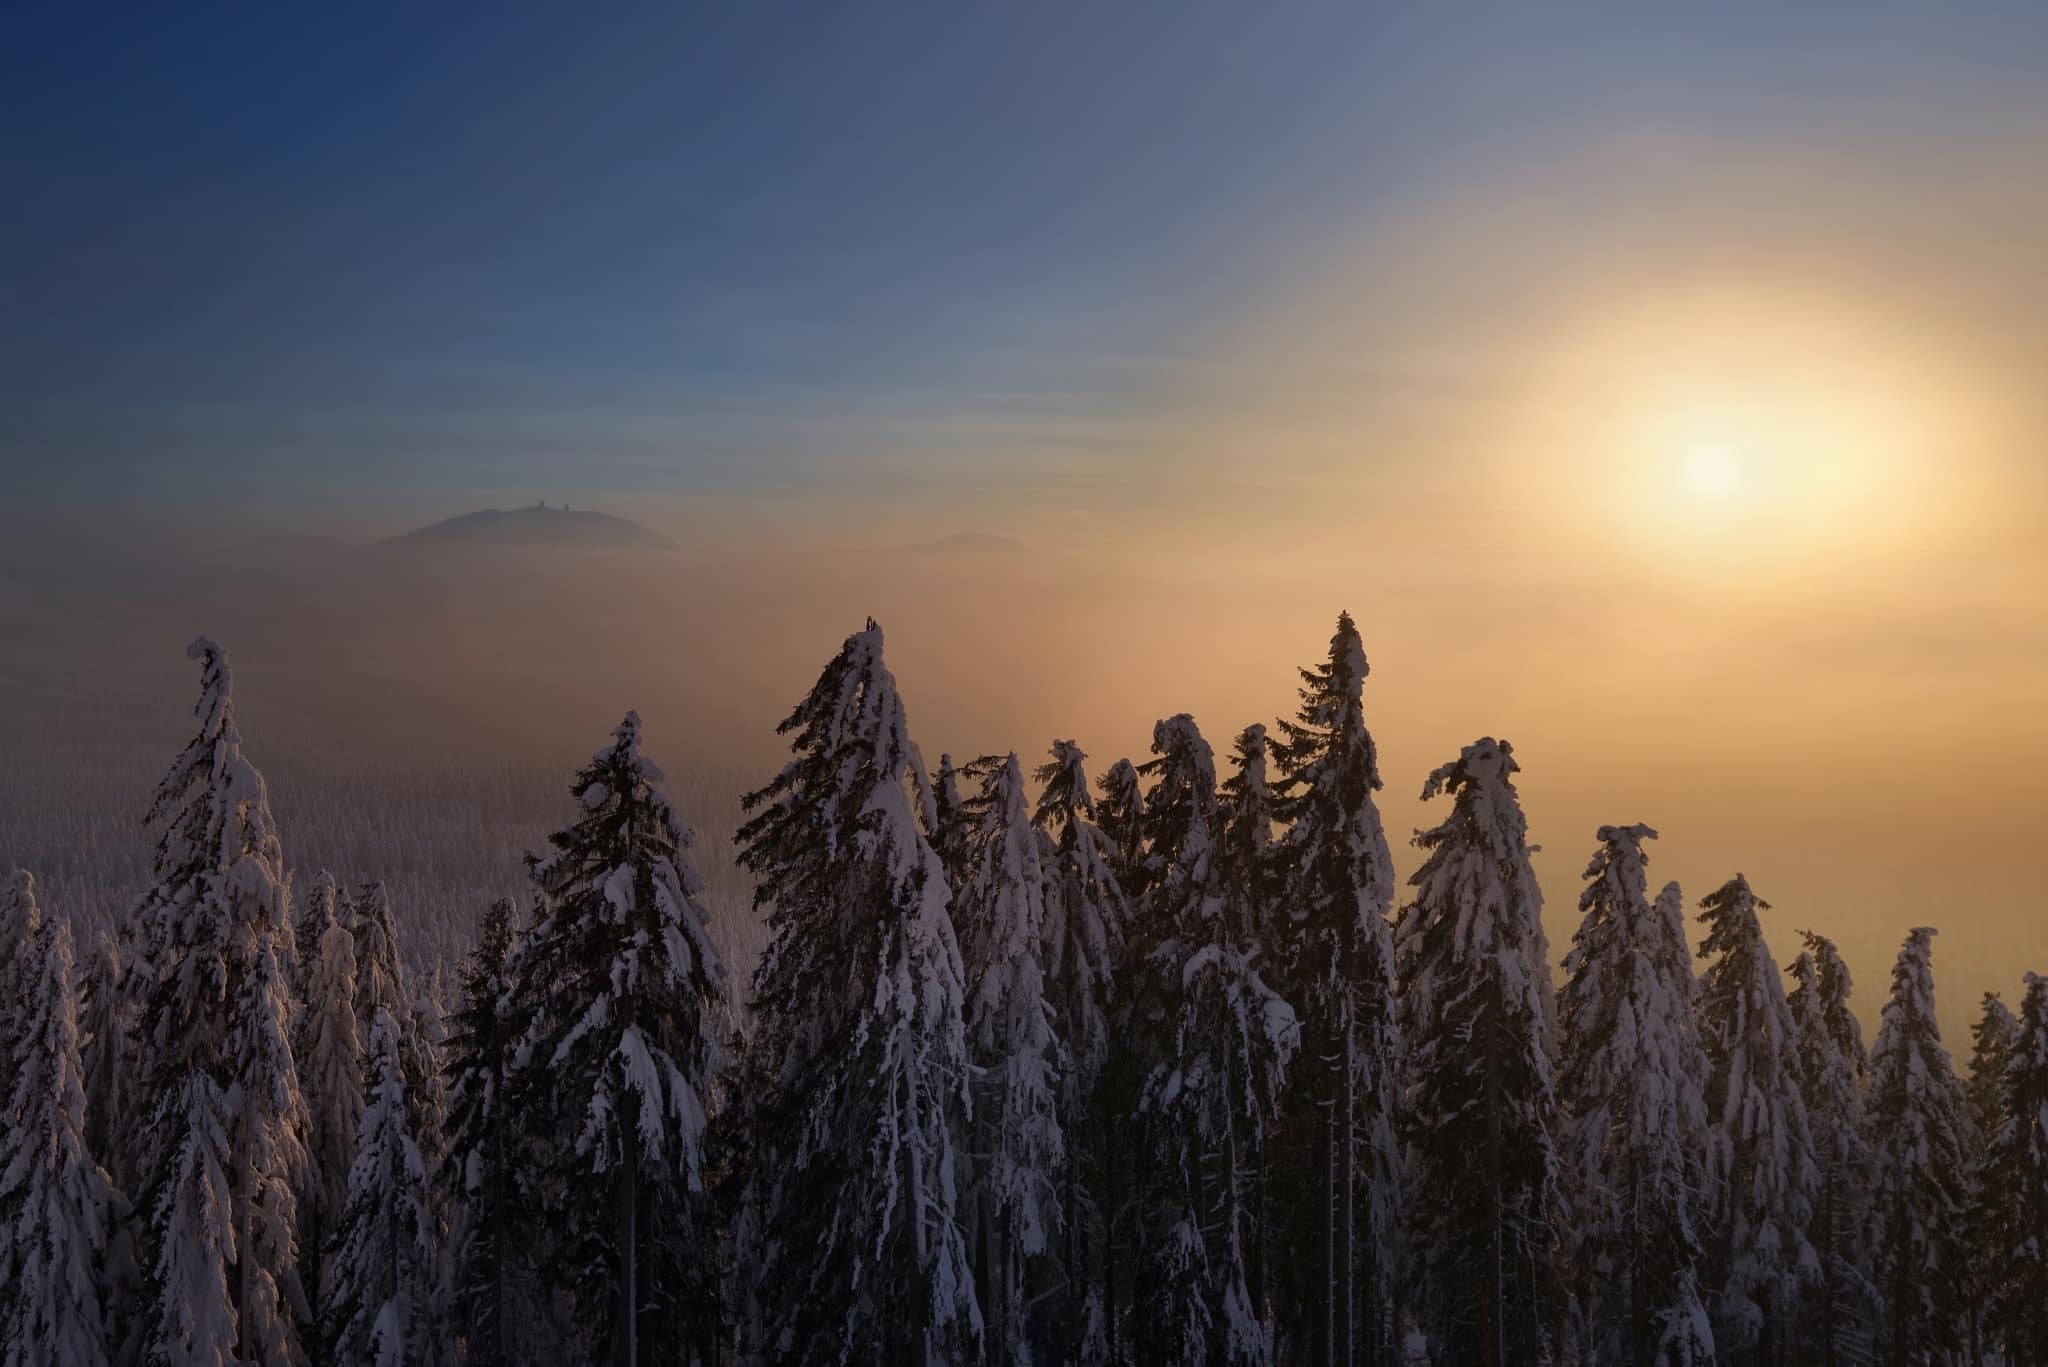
<point>1713,470</point>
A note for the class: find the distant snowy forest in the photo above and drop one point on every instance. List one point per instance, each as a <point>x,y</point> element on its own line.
<point>1011,1060</point>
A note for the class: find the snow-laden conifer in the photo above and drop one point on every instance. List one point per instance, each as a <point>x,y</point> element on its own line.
<point>382,985</point>
<point>1086,918</point>
<point>381,1280</point>
<point>322,904</point>
<point>1992,1041</point>
<point>952,826</point>
<point>490,1273</point>
<point>621,997</point>
<point>1840,1316</point>
<point>21,919</point>
<point>854,1250</point>
<point>331,1062</point>
<point>1334,947</point>
<point>372,921</point>
<point>1218,1041</point>
<point>1763,1161</point>
<point>1631,1086</point>
<point>221,1145</point>
<point>54,1199</point>
<point>2018,1165</point>
<point>1021,1062</point>
<point>1476,1020</point>
<point>275,1165</point>
<point>104,1023</point>
<point>1120,812</point>
<point>1921,1138</point>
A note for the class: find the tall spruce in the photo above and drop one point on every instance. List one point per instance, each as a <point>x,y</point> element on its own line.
<point>1763,1159</point>
<point>1336,884</point>
<point>331,1059</point>
<point>1086,922</point>
<point>372,920</point>
<point>1121,813</point>
<point>854,1250</point>
<point>323,903</point>
<point>489,1277</point>
<point>381,1282</point>
<point>1992,1042</point>
<point>1019,1057</point>
<point>217,1154</point>
<point>21,920</point>
<point>382,984</point>
<point>1840,1317</point>
<point>1921,1137</point>
<point>1485,1211</point>
<point>54,1198</point>
<point>622,999</point>
<point>1219,1041</point>
<point>952,827</point>
<point>104,1022</point>
<point>1631,1085</point>
<point>2019,1175</point>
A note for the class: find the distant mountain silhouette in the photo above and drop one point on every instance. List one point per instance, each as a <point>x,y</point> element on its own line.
<point>973,543</point>
<point>538,525</point>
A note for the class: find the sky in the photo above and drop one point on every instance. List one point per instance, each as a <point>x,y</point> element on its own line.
<point>1659,385</point>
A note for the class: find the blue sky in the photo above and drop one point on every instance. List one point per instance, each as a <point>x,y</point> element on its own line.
<point>347,259</point>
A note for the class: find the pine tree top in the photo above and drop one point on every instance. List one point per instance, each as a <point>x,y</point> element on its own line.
<point>1183,823</point>
<point>854,757</point>
<point>1329,723</point>
<point>1249,798</point>
<point>1064,801</point>
<point>212,807</point>
<point>1488,812</point>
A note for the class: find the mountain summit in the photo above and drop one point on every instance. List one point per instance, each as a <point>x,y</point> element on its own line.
<point>538,525</point>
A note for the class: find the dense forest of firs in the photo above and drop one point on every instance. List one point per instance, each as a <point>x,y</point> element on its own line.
<point>1153,1066</point>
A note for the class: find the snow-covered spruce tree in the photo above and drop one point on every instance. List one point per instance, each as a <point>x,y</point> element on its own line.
<point>1218,1041</point>
<point>951,826</point>
<point>2019,1174</point>
<point>1341,1234</point>
<point>221,1144</point>
<point>276,1164</point>
<point>1631,1086</point>
<point>1839,1319</point>
<point>854,1250</point>
<point>1086,918</point>
<point>381,985</point>
<point>54,1199</point>
<point>1485,1206</point>
<point>1020,1060</point>
<point>21,919</point>
<point>1992,1041</point>
<point>1763,1169</point>
<point>323,903</point>
<point>1921,1138</point>
<point>104,1025</point>
<point>380,972</point>
<point>381,1280</point>
<point>490,1273</point>
<point>1248,819</point>
<point>330,1056</point>
<point>622,998</point>
<point>1121,814</point>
